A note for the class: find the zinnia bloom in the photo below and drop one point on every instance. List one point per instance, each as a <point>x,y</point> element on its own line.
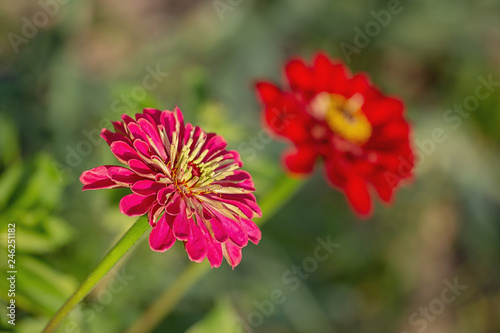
<point>191,187</point>
<point>344,120</point>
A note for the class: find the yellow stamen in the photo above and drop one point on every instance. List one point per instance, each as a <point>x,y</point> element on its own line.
<point>344,116</point>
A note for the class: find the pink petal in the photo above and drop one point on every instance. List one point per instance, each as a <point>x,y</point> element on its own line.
<point>215,145</point>
<point>154,212</point>
<point>162,194</point>
<point>152,133</point>
<point>214,252</point>
<point>123,175</point>
<point>161,237</point>
<point>244,201</point>
<point>123,151</point>
<point>146,187</point>
<point>179,116</point>
<point>234,229</point>
<point>196,245</point>
<point>220,232</point>
<point>181,226</point>
<point>167,119</point>
<point>153,115</point>
<point>97,178</point>
<point>232,253</point>
<point>136,205</point>
<point>140,167</point>
<point>119,127</point>
<point>236,157</point>
<point>176,205</point>
<point>240,179</point>
<point>111,137</point>
<point>127,119</point>
<point>143,148</point>
<point>252,230</point>
<point>137,132</point>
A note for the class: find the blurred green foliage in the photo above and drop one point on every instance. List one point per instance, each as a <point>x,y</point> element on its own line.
<point>30,193</point>
<point>81,70</point>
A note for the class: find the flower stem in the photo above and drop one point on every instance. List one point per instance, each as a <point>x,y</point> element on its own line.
<point>112,257</point>
<point>165,302</point>
<point>283,190</point>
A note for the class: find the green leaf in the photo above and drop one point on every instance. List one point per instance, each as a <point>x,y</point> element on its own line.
<point>39,288</point>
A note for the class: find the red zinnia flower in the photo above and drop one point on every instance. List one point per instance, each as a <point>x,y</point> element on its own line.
<point>191,187</point>
<point>360,134</point>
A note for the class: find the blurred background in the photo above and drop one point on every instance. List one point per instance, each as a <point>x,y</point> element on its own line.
<point>426,264</point>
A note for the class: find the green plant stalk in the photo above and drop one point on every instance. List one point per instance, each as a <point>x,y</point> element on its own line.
<point>112,257</point>
<point>283,190</point>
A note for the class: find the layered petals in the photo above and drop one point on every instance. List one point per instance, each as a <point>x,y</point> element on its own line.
<point>190,186</point>
<point>329,115</point>
<point>97,178</point>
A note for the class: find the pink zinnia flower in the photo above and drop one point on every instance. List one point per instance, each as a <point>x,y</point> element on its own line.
<point>191,187</point>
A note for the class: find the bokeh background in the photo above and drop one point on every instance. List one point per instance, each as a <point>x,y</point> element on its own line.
<point>66,73</point>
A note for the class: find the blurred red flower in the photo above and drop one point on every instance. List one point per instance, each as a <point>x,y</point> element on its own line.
<point>344,120</point>
<point>190,186</point>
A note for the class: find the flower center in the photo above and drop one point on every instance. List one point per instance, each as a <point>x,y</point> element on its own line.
<point>195,169</point>
<point>343,116</point>
<point>188,169</point>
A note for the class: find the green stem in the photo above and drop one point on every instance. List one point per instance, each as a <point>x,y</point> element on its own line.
<point>283,190</point>
<point>165,302</point>
<point>114,255</point>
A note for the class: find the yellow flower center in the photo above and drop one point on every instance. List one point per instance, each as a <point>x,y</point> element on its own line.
<point>343,116</point>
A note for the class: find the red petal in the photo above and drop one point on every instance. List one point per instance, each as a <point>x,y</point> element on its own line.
<point>299,75</point>
<point>339,79</point>
<point>360,83</point>
<point>300,160</point>
<point>322,72</point>
<point>383,110</point>
<point>334,173</point>
<point>288,121</point>
<point>384,188</point>
<point>357,193</point>
<point>268,92</point>
<point>395,131</point>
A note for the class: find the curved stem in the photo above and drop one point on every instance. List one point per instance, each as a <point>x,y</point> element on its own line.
<point>283,190</point>
<point>166,301</point>
<point>112,257</point>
